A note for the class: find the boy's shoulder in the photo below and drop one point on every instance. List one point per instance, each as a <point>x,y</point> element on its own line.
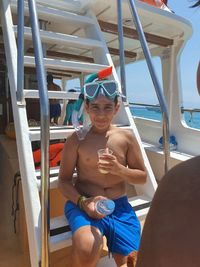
<point>124,133</point>
<point>73,139</point>
<point>121,130</point>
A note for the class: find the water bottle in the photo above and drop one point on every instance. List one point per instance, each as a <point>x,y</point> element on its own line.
<point>105,206</point>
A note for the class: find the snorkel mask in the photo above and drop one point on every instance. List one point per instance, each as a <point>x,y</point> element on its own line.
<point>94,86</point>
<point>106,88</point>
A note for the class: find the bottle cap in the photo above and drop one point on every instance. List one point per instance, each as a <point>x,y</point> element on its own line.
<point>110,205</point>
<point>105,206</point>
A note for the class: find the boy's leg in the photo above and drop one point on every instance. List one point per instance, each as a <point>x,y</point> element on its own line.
<point>126,261</point>
<point>120,260</point>
<point>87,244</point>
<point>51,113</point>
<point>56,120</point>
<point>132,258</point>
<point>57,113</point>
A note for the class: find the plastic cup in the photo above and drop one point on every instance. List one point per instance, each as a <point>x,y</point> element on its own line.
<point>101,152</point>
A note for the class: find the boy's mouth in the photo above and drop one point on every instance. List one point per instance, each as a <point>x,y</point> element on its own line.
<point>101,122</point>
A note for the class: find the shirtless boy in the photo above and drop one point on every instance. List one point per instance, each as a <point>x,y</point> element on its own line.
<point>121,228</point>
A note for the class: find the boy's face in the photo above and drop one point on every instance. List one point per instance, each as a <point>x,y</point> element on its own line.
<point>101,111</point>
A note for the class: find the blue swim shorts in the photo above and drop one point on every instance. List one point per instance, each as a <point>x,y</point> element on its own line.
<point>55,110</point>
<point>121,228</point>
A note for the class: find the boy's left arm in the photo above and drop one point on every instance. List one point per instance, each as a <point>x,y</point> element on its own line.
<point>135,171</point>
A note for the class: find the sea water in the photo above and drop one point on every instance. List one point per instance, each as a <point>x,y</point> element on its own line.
<point>192,120</point>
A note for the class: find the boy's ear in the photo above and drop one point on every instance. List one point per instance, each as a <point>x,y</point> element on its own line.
<point>86,107</point>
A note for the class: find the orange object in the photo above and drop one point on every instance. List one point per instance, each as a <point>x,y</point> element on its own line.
<point>104,73</point>
<point>157,3</point>
<point>55,154</point>
<point>10,130</point>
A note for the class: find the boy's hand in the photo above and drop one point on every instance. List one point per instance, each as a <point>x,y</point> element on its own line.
<point>110,164</point>
<point>89,207</point>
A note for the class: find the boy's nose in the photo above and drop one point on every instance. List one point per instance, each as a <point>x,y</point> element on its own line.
<point>101,112</point>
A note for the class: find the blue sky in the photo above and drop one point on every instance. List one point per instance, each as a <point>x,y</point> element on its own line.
<point>189,62</point>
<point>191,54</point>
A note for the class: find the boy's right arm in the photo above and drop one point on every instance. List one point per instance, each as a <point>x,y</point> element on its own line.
<point>67,167</point>
<point>65,185</point>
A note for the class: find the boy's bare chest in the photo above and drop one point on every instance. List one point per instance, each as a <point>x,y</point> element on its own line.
<point>88,151</point>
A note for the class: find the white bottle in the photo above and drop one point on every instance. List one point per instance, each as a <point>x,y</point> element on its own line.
<point>105,206</point>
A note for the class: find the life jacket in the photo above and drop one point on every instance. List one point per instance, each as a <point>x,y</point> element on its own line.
<point>55,154</point>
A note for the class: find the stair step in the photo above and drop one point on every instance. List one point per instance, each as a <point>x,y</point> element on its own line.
<point>53,171</point>
<point>55,38</point>
<point>53,174</point>
<point>65,65</point>
<point>63,4</point>
<point>53,181</point>
<point>52,94</point>
<point>56,132</point>
<point>53,177</point>
<point>58,14</point>
<point>60,131</point>
<point>141,205</point>
<point>60,231</point>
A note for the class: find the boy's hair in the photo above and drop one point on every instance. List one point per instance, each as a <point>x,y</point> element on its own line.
<point>115,100</point>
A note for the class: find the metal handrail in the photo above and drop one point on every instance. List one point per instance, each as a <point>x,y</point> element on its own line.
<point>144,105</point>
<point>156,83</point>
<point>20,52</point>
<point>44,118</point>
<point>191,110</point>
<point>121,47</point>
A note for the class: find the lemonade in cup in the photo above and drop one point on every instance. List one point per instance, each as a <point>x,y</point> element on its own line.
<point>101,152</point>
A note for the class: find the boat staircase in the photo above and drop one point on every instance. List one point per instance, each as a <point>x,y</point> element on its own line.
<point>59,13</point>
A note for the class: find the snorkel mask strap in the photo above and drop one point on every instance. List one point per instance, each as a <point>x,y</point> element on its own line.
<point>79,104</point>
<point>99,75</point>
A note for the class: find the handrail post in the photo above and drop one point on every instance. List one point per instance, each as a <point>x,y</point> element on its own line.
<point>43,26</point>
<point>20,52</point>
<point>44,117</point>
<point>166,142</point>
<point>157,86</point>
<point>121,47</point>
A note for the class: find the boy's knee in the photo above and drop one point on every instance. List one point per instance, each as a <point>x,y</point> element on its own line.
<point>88,246</point>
